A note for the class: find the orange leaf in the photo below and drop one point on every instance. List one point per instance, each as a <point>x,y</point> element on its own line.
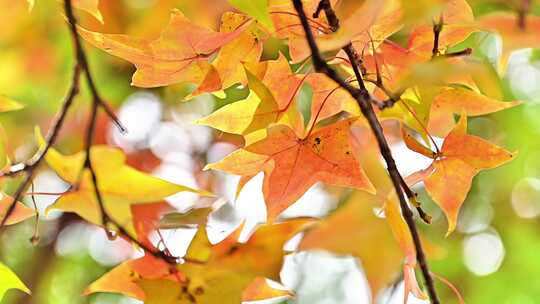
<point>451,101</point>
<point>324,156</point>
<point>19,214</point>
<point>260,290</point>
<point>463,156</point>
<point>179,55</point>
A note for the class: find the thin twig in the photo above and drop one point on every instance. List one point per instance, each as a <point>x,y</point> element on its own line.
<point>30,166</point>
<point>364,101</point>
<point>437,28</point>
<point>97,102</point>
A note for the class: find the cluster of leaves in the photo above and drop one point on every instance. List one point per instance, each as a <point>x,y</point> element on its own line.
<point>419,86</point>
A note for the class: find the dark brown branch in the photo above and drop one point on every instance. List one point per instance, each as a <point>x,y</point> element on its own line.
<point>464,52</point>
<point>522,11</point>
<point>97,102</point>
<point>364,101</point>
<point>83,61</point>
<point>437,28</point>
<point>30,166</point>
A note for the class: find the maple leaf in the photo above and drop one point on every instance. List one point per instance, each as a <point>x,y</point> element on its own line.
<point>259,289</point>
<point>9,280</point>
<point>260,108</point>
<point>292,165</point>
<point>328,99</point>
<point>213,273</point>
<point>179,55</point>
<point>257,9</point>
<point>462,157</point>
<point>244,49</point>
<point>124,277</point>
<point>19,214</point>
<point>450,101</point>
<point>356,223</point>
<point>120,185</point>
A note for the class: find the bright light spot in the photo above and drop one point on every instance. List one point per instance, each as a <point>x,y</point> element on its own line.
<point>483,253</point>
<point>315,202</point>
<point>107,252</point>
<point>409,161</point>
<point>48,182</point>
<point>175,240</point>
<point>200,136</point>
<point>73,239</point>
<point>322,278</point>
<point>526,197</point>
<point>523,76</point>
<point>249,206</point>
<point>490,45</point>
<point>140,114</point>
<point>219,150</point>
<point>171,142</point>
<point>173,173</point>
<point>475,217</point>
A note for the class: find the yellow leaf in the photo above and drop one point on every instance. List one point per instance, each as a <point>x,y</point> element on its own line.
<point>9,280</point>
<point>120,185</point>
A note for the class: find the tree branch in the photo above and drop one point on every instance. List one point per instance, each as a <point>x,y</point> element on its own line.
<point>437,28</point>
<point>364,101</point>
<point>31,165</point>
<point>90,131</point>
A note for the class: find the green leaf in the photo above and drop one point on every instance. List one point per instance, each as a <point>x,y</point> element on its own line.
<point>9,280</point>
<point>258,9</point>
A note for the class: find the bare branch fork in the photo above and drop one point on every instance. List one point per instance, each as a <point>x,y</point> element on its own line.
<point>364,101</point>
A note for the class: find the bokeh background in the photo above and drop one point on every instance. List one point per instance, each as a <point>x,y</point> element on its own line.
<point>493,257</point>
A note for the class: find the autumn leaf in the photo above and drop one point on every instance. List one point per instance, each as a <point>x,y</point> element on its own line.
<point>124,277</point>
<point>256,112</point>
<point>366,218</point>
<point>179,55</point>
<point>9,280</point>
<point>452,101</point>
<point>213,273</point>
<point>120,185</point>
<point>19,214</point>
<point>89,6</point>
<point>293,164</point>
<point>257,9</point>
<point>328,99</point>
<point>242,50</point>
<point>463,156</point>
<point>259,289</point>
